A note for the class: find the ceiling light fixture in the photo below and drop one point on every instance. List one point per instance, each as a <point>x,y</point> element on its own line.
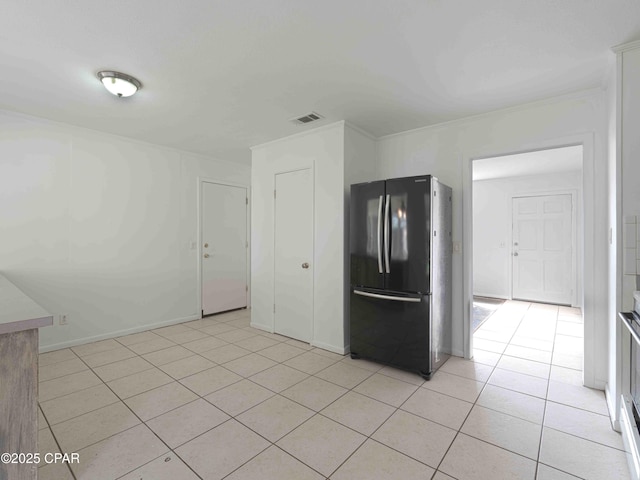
<point>120,84</point>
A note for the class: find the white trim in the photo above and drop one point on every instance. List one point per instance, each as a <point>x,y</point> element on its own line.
<point>615,422</point>
<point>298,135</point>
<point>355,128</point>
<point>621,356</point>
<point>311,167</point>
<point>331,348</point>
<point>588,225</point>
<point>574,236</point>
<point>625,47</point>
<point>457,353</point>
<point>91,131</point>
<point>117,333</point>
<point>491,295</point>
<point>200,180</point>
<point>591,92</point>
<point>259,326</point>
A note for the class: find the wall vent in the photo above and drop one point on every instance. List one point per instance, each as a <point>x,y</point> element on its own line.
<point>308,118</point>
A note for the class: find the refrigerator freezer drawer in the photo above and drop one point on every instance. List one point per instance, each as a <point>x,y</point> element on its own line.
<point>394,330</point>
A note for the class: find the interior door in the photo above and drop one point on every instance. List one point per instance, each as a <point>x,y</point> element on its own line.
<point>224,247</point>
<point>293,254</point>
<point>543,248</point>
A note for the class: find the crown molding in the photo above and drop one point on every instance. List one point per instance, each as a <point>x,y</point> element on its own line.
<point>329,126</point>
<point>360,130</point>
<point>580,94</point>
<point>625,47</point>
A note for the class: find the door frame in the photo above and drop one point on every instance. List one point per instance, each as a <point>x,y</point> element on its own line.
<point>574,237</point>
<point>311,168</point>
<point>199,250</point>
<point>592,355</point>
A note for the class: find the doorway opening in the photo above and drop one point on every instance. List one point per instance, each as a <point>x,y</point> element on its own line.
<point>528,235</point>
<point>224,247</point>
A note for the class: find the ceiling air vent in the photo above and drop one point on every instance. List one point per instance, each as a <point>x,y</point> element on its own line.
<point>308,118</point>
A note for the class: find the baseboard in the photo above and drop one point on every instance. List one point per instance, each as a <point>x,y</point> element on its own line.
<point>331,348</point>
<point>266,328</point>
<point>117,333</point>
<point>613,414</point>
<point>491,295</point>
<point>457,353</point>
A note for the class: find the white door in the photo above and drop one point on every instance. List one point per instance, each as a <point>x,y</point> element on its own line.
<point>543,249</point>
<point>224,247</point>
<point>293,278</point>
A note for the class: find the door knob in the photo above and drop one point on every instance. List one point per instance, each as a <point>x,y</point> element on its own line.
<point>515,254</point>
<point>206,245</point>
<point>305,265</point>
<point>206,255</point>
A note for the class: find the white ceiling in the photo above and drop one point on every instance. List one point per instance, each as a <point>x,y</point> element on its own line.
<point>542,162</point>
<point>221,76</point>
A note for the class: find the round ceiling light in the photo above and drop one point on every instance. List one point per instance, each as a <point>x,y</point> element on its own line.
<point>120,84</point>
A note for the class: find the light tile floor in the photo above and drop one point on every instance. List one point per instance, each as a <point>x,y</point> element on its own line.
<point>215,398</point>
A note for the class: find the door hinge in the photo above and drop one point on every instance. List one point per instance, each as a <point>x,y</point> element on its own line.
<point>246,288</point>
<point>246,200</point>
<point>274,194</point>
<point>274,308</point>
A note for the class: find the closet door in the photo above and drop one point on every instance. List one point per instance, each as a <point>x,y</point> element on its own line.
<point>293,267</point>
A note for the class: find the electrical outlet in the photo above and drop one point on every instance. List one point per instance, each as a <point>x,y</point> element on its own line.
<point>63,319</point>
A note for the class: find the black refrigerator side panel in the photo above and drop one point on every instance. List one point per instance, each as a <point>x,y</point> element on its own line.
<point>367,201</point>
<point>441,274</point>
<point>408,224</point>
<point>391,331</point>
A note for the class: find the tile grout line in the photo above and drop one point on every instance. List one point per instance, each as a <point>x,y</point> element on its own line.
<point>474,403</point>
<point>537,461</point>
<point>142,422</point>
<point>275,393</point>
<point>315,412</point>
<point>199,397</point>
<point>55,439</point>
<point>129,408</point>
<point>546,396</point>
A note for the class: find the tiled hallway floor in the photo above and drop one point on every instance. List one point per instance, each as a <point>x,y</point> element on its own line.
<point>215,398</point>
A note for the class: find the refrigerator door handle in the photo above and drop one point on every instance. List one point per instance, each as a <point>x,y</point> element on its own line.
<point>388,297</point>
<point>380,234</point>
<point>386,234</point>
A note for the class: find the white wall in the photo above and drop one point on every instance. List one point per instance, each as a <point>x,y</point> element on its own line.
<point>99,227</point>
<point>492,227</point>
<point>323,150</point>
<point>446,151</point>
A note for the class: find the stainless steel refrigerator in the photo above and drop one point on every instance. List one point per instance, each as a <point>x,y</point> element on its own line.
<point>400,270</point>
